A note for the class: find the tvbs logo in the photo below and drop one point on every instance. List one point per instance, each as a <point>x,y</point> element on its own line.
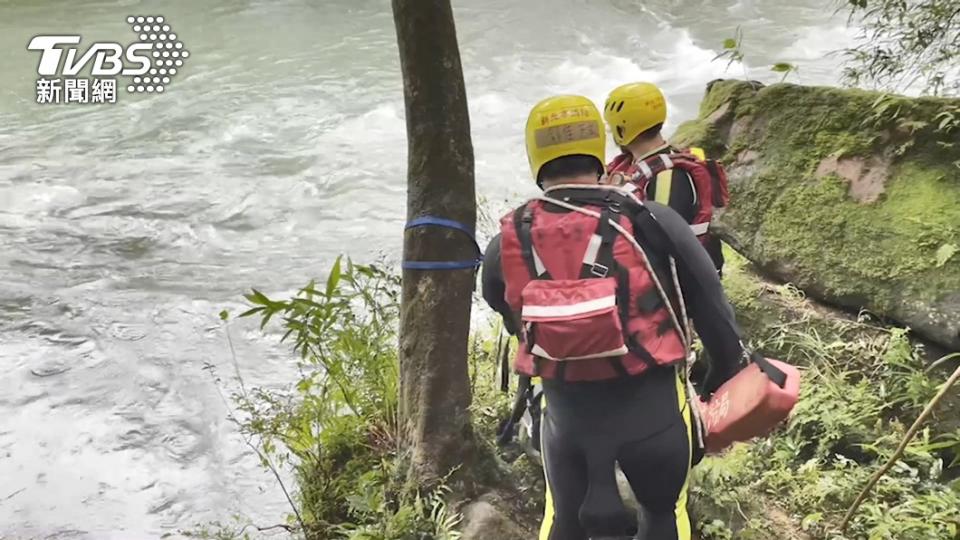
<point>151,63</point>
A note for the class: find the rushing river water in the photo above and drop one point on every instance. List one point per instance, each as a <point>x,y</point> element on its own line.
<point>126,228</point>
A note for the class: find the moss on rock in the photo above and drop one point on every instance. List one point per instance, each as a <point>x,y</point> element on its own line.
<point>853,196</point>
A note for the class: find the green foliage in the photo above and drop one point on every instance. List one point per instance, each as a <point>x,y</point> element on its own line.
<point>905,42</point>
<point>337,427</point>
<point>716,530</point>
<point>886,110</point>
<point>786,68</point>
<point>374,517</point>
<point>732,49</point>
<point>734,53</point>
<point>948,121</point>
<point>490,405</point>
<point>862,385</point>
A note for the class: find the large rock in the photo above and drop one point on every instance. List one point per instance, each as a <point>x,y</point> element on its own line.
<point>852,196</point>
<point>484,520</point>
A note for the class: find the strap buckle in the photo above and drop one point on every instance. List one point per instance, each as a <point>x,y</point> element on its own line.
<point>599,270</point>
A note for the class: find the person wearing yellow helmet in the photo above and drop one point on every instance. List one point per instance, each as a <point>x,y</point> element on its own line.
<point>581,275</point>
<point>565,142</point>
<point>635,113</point>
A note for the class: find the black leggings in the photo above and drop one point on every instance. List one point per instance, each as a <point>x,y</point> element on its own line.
<point>644,426</point>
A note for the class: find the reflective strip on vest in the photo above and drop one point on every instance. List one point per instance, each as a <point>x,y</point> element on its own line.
<point>593,248</point>
<point>700,228</point>
<point>664,185</point>
<point>645,169</point>
<point>693,189</point>
<point>537,263</point>
<point>538,351</point>
<point>570,309</point>
<point>667,162</point>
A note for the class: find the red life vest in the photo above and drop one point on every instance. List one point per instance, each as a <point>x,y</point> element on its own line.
<point>709,179</point>
<point>586,299</point>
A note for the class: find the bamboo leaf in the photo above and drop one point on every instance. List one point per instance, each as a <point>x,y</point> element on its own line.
<point>252,311</point>
<point>266,319</point>
<point>334,278</point>
<point>257,297</point>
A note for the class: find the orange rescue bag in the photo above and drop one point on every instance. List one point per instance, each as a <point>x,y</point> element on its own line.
<point>751,404</point>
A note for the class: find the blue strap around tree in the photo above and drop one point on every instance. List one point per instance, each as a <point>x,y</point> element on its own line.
<point>444,265</point>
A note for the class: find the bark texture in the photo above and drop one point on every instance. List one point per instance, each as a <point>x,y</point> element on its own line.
<point>435,304</point>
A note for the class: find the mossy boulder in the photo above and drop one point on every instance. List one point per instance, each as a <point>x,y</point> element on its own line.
<point>852,196</point>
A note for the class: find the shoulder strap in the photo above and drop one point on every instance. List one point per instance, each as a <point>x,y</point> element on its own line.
<point>523,222</point>
<point>598,259</point>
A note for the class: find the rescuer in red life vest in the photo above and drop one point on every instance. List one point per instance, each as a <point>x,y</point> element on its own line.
<point>587,276</point>
<point>635,113</point>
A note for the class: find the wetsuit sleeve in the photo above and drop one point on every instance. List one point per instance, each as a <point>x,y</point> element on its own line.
<point>703,294</point>
<point>493,286</point>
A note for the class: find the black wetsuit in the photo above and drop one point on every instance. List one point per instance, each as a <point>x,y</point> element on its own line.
<point>641,422</point>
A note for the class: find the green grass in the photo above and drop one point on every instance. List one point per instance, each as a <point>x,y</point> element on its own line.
<point>862,385</point>
<point>336,426</point>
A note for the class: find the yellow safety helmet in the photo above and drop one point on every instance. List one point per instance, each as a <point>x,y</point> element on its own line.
<point>632,109</point>
<point>564,125</point>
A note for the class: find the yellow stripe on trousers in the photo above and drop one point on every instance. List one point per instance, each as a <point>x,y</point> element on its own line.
<point>547,522</point>
<point>680,510</point>
<point>683,518</point>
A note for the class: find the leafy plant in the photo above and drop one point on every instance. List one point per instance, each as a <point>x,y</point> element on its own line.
<point>716,530</point>
<point>337,426</point>
<point>732,49</point>
<point>905,42</point>
<point>886,110</point>
<point>733,52</point>
<point>786,68</point>
<point>861,386</point>
<point>948,121</point>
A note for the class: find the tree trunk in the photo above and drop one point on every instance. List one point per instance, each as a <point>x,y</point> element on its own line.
<point>435,304</point>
